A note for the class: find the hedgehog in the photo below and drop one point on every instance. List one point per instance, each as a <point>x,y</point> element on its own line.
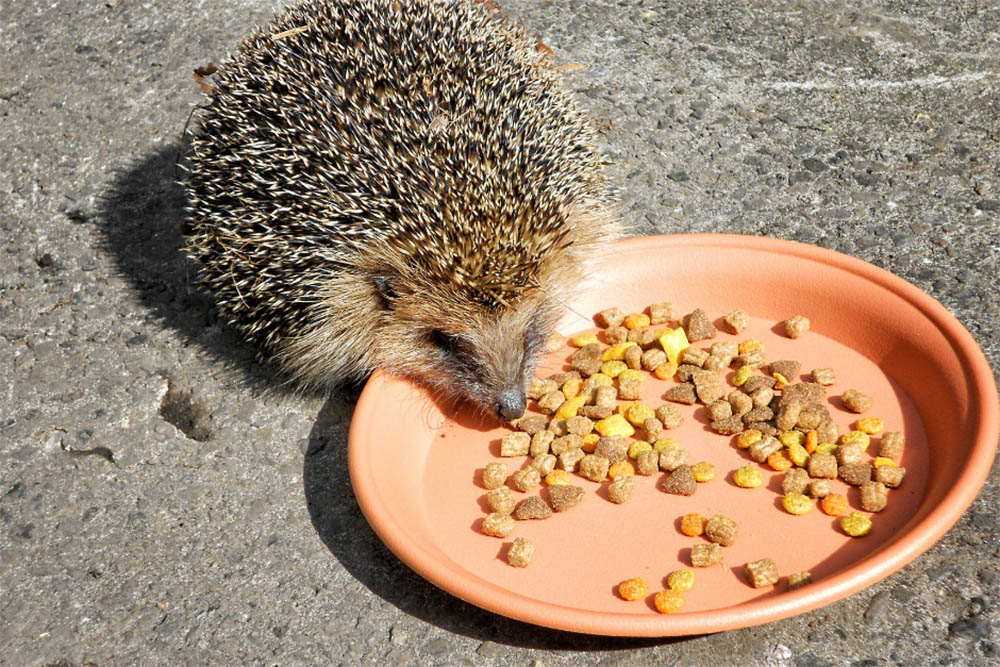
<point>397,185</point>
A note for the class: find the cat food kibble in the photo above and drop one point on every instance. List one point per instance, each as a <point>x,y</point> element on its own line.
<point>680,482</point>
<point>722,530</point>
<point>515,444</point>
<point>796,326</point>
<point>501,500</point>
<point>856,524</point>
<point>855,401</point>
<point>874,496</point>
<point>561,498</point>
<point>693,524</point>
<point>526,478</point>
<point>498,525</point>
<point>762,573</point>
<point>633,589</point>
<point>736,321</point>
<point>706,554</point>
<point>620,489</point>
<point>532,507</point>
<point>520,552</point>
<point>494,475</point>
<point>799,579</point>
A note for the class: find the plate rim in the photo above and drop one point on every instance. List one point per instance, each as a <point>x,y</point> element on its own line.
<point>864,573</point>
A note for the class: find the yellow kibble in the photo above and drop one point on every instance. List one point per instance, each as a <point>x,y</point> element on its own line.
<point>789,438</point>
<point>779,461</point>
<point>664,444</point>
<point>668,601</point>
<point>748,477</point>
<point>625,406</point>
<point>674,341</point>
<point>680,580</point>
<point>749,437</point>
<point>638,413</point>
<point>780,381</point>
<point>613,368</point>
<point>583,340</point>
<point>570,407</point>
<point>796,503</point>
<point>590,442</point>
<point>856,524</point>
<point>633,589</point>
<point>636,321</point>
<point>870,425</point>
<point>617,351</point>
<point>741,375</point>
<point>798,454</point>
<point>620,468</point>
<point>703,471</point>
<point>632,374</point>
<point>571,388</point>
<point>558,478</point>
<point>751,345</point>
<point>826,448</point>
<point>602,379</point>
<point>857,437</point>
<point>638,446</point>
<point>615,425</point>
<point>665,371</point>
<point>883,461</point>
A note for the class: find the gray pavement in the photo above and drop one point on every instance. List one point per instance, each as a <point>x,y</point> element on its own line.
<point>166,500</point>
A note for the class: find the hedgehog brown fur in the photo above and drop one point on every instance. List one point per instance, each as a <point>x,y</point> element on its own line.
<point>406,185</point>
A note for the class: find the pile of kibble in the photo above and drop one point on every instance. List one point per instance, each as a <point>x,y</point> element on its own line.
<point>593,424</point>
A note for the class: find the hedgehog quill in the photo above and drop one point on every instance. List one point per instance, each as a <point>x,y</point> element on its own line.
<point>397,185</point>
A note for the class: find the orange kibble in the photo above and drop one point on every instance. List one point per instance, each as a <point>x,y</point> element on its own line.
<point>779,461</point>
<point>636,321</point>
<point>693,524</point>
<point>665,371</point>
<point>633,589</point>
<point>834,504</point>
<point>621,468</point>
<point>812,440</point>
<point>668,601</point>
<point>571,389</point>
<point>751,345</point>
<point>558,478</point>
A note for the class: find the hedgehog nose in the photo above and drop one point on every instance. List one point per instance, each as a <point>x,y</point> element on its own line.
<point>510,404</point>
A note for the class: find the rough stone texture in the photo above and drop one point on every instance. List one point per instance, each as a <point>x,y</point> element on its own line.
<point>225,532</point>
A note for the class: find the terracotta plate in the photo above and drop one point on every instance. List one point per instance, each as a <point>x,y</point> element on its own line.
<point>416,466</point>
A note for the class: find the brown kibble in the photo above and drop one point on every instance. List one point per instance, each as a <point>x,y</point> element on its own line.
<point>653,359</point>
<point>645,337</point>
<point>705,555</point>
<point>501,500</point>
<point>715,363</point>
<point>740,402</point>
<point>515,444</point>
<point>579,425</point>
<point>612,448</point>
<point>661,313</point>
<point>728,426</point>
<point>620,489</point>
<point>812,416</point>
<point>565,443</point>
<point>760,450</point>
<point>609,317</point>
<point>855,474</point>
<point>850,452</point>
<point>494,475</point>
<point>758,414</point>
<point>562,378</point>
<point>708,386</point>
<point>725,350</point>
<point>891,476</point>
<point>822,466</point>
<point>693,356</point>
<point>755,382</point>
<point>762,573</point>
<point>764,427</point>
<point>669,416</point>
<point>587,360</point>
<point>651,429</point>
<point>681,393</point>
<point>569,459</point>
<point>532,507</point>
<point>540,387</point>
<point>629,389</point>
<point>616,334</point>
<point>789,369</point>
<point>720,409</point>
<point>874,496</point>
<point>647,462</point>
<point>673,458</point>
<point>753,359</point>
<point>804,392</point>
<point>605,396</point>
<point>532,425</point>
<point>681,481</point>
<point>525,478</point>
<point>595,412</point>
<point>698,326</point>
<point>594,467</point>
<point>544,464</point>
<point>722,530</point>
<point>762,397</point>
<point>788,415</point>
<point>498,525</point>
<point>558,427</point>
<point>633,357</point>
<point>827,431</point>
<point>799,579</point>
<point>824,376</point>
<point>551,401</point>
<point>796,326</point>
<point>855,401</point>
<point>540,443</point>
<point>819,488</point>
<point>891,445</point>
<point>520,552</point>
<point>736,321</point>
<point>563,497</point>
<point>795,481</point>
<point>685,372</point>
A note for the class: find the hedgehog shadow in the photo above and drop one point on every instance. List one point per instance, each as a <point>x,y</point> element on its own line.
<point>345,532</point>
<point>138,219</point>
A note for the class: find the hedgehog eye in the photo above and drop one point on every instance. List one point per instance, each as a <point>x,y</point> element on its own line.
<point>448,343</point>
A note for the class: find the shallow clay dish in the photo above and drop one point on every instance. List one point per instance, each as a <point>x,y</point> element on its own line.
<point>416,466</point>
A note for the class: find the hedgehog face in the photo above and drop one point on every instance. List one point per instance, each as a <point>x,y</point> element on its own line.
<point>459,347</point>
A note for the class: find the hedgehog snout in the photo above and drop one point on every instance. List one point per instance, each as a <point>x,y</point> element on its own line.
<point>511,403</point>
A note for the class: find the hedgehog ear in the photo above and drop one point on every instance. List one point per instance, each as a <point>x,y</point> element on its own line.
<point>383,288</point>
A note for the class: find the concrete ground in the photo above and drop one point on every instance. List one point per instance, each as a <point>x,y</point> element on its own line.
<point>164,500</point>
